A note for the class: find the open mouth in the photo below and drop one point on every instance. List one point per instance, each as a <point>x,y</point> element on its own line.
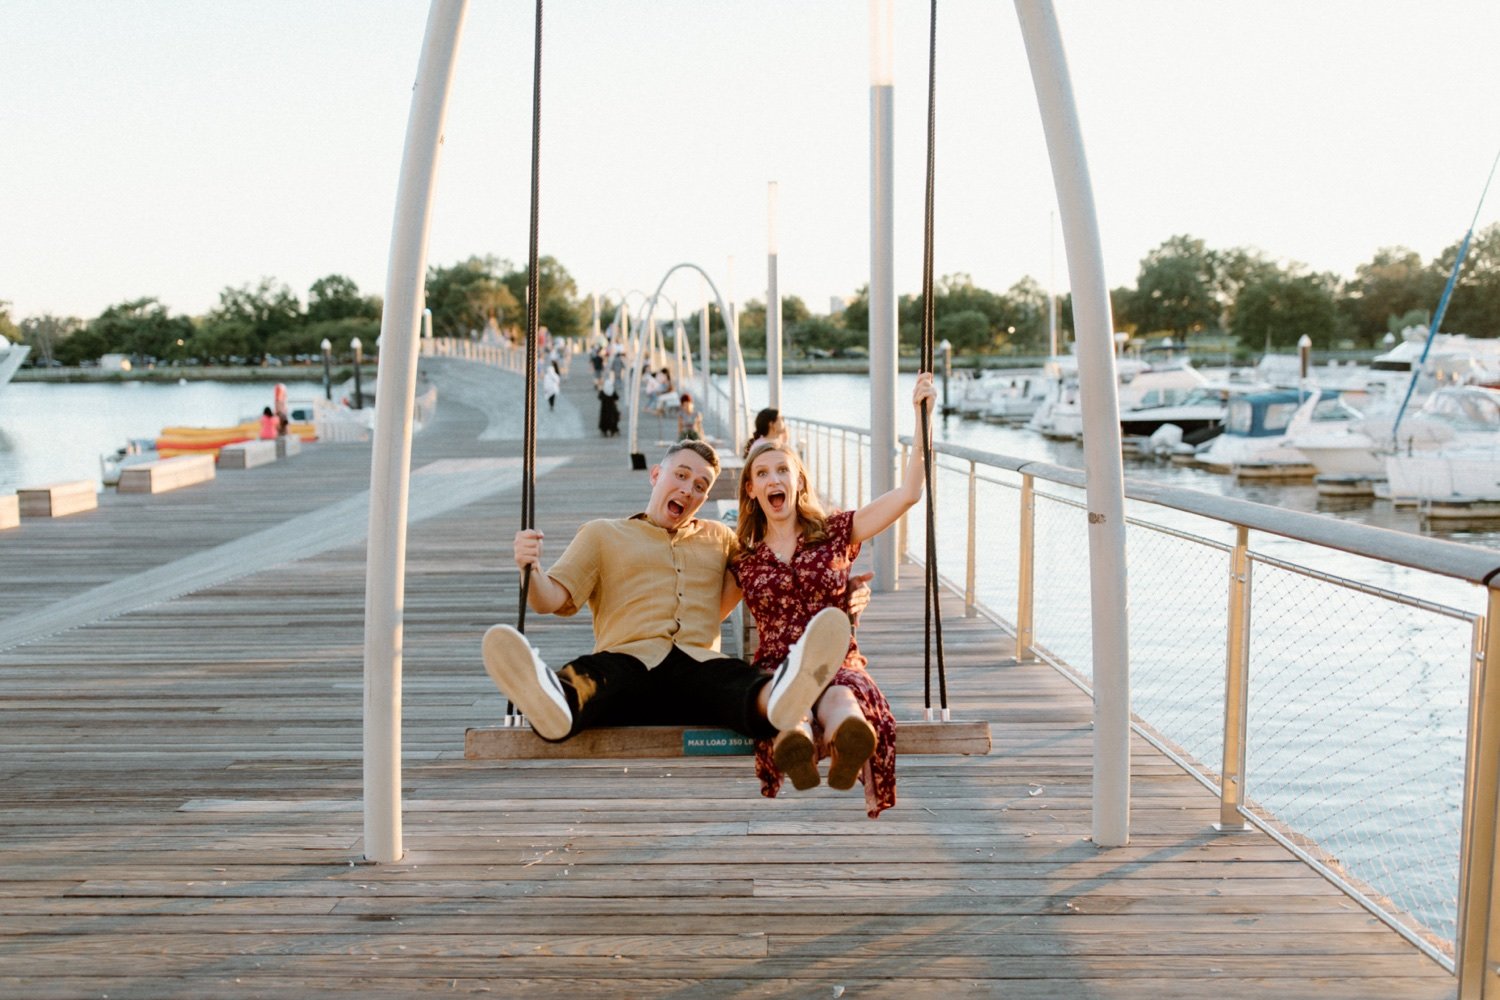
<point>776,499</point>
<point>675,509</point>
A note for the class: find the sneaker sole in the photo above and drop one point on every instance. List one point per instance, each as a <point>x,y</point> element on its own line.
<point>853,742</point>
<point>797,758</point>
<point>509,662</point>
<point>823,647</point>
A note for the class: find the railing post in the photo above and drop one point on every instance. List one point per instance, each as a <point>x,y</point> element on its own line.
<point>1026,573</point>
<point>1477,940</point>
<point>969,559</point>
<point>901,524</point>
<point>859,475</point>
<point>1236,687</point>
<point>843,469</point>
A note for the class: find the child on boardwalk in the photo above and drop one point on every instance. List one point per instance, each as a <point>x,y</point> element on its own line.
<point>793,563</point>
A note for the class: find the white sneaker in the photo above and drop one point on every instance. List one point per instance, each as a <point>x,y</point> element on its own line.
<point>808,667</point>
<point>517,670</point>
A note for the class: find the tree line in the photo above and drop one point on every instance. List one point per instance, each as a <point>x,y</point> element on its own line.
<point>1183,289</point>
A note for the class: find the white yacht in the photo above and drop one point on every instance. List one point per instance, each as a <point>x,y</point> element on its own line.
<point>1452,417</point>
<point>11,356</point>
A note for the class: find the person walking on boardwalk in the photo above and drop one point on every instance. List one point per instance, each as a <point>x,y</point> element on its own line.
<point>609,408</point>
<point>792,565</point>
<point>655,585</point>
<point>551,383</point>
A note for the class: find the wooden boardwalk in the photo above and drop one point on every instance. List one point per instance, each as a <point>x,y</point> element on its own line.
<point>180,699</point>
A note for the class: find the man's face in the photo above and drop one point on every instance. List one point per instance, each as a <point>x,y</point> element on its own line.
<point>679,486</point>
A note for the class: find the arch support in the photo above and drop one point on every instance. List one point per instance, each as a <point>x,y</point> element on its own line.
<point>1105,491</point>
<point>390,464</point>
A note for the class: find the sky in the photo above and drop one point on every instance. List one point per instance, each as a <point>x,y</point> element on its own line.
<point>171,148</point>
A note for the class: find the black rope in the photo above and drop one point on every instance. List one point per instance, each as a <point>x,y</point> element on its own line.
<point>933,620</point>
<point>533,296</point>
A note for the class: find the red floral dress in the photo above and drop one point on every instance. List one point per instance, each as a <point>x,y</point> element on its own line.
<point>783,597</point>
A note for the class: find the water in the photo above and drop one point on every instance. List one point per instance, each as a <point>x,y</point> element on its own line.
<point>52,431</point>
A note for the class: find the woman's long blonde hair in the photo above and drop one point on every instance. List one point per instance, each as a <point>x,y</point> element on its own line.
<point>751,526</point>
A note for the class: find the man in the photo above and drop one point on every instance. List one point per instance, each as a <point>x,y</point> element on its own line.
<point>654,583</point>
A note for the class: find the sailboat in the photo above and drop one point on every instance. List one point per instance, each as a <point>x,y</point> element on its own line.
<point>11,356</point>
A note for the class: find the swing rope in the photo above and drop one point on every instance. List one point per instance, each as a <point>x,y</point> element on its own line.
<point>533,295</point>
<point>933,619</point>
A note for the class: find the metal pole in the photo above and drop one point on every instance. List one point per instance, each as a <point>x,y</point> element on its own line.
<point>1105,492</point>
<point>706,372</point>
<point>359,354</point>
<point>1236,687</point>
<point>1026,574</point>
<point>390,464</point>
<point>1477,950</point>
<point>773,312</point>
<point>883,346</point>
<point>327,346</point>
<point>971,556</point>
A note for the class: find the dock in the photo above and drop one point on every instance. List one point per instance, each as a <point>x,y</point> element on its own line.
<point>180,716</point>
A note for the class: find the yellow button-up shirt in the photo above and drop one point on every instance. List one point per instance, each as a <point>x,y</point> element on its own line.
<point>648,589</point>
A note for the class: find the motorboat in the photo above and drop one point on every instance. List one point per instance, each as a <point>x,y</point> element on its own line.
<point>1201,409</point>
<point>1141,386</point>
<point>1016,399</point>
<point>1457,416</point>
<point>1259,426</point>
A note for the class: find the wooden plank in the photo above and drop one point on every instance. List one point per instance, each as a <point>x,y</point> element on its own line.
<point>183,792</point>
<point>166,474</point>
<point>57,499</point>
<point>630,742</point>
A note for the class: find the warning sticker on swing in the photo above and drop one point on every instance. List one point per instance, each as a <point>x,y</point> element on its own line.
<point>715,743</point>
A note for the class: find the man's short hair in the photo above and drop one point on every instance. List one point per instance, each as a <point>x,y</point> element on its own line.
<point>702,449</point>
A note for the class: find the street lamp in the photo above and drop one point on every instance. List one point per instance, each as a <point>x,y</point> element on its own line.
<point>327,346</point>
<point>359,349</point>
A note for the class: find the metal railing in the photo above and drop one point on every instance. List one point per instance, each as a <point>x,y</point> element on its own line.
<point>1358,724</point>
<point>506,356</point>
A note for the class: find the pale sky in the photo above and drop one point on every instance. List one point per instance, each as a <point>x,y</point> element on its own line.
<point>171,148</point>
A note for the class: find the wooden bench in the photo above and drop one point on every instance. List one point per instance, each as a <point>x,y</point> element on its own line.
<point>248,454</point>
<point>58,499</point>
<point>628,742</point>
<point>10,511</point>
<point>166,474</point>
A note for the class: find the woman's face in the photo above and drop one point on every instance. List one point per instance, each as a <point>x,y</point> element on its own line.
<point>774,484</point>
<point>778,430</point>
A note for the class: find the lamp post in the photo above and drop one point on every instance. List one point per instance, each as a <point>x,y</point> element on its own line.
<point>327,346</point>
<point>359,354</point>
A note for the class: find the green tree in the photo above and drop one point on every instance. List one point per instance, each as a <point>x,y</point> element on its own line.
<point>1278,308</point>
<point>1391,284</point>
<point>562,312</point>
<point>337,297</point>
<point>856,316</point>
<point>1474,307</point>
<point>143,328</point>
<point>83,345</point>
<point>1175,290</point>
<point>467,295</point>
<point>8,328</point>
<point>44,334</point>
<point>968,331</point>
<point>254,314</point>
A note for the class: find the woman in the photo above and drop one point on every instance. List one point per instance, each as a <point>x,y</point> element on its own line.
<point>794,561</point>
<point>689,420</point>
<point>609,408</point>
<point>768,424</point>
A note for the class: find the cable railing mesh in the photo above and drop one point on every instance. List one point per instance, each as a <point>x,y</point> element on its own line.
<point>1357,734</point>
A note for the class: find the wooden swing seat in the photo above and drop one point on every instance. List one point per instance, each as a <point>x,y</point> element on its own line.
<point>629,742</point>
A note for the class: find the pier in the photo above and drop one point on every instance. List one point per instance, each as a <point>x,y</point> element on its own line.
<point>180,712</point>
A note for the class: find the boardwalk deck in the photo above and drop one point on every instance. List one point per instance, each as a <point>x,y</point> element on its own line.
<point>180,698</point>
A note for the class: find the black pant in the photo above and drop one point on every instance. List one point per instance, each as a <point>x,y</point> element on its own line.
<point>613,689</point>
